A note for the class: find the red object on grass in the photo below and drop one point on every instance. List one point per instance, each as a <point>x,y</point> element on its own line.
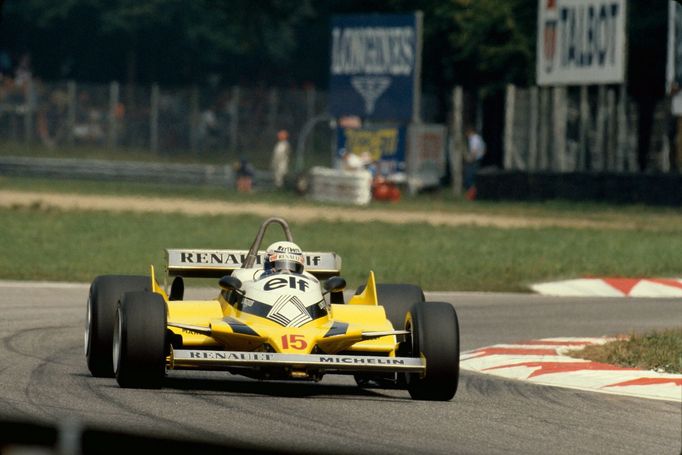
<point>385,191</point>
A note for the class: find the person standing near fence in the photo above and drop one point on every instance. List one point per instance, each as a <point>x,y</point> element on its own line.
<point>473,158</point>
<point>280,157</point>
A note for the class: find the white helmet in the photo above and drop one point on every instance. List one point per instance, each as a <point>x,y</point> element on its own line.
<point>283,256</point>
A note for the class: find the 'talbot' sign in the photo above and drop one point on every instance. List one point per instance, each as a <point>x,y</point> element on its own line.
<point>581,42</point>
<point>375,66</point>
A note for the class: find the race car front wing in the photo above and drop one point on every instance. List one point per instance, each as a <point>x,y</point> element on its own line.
<point>193,359</point>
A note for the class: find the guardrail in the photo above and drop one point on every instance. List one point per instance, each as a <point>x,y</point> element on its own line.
<point>89,169</point>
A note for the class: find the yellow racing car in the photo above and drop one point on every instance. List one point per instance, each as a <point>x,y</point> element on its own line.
<point>279,314</point>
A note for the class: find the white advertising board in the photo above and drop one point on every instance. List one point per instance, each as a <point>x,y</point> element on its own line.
<point>426,154</point>
<point>581,42</point>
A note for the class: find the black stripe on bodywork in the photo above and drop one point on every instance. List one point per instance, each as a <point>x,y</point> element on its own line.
<point>337,328</point>
<point>257,308</point>
<point>240,328</point>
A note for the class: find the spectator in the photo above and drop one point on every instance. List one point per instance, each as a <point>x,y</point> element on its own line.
<point>23,74</point>
<point>244,172</point>
<point>280,158</point>
<point>352,161</point>
<point>473,158</point>
<point>208,129</point>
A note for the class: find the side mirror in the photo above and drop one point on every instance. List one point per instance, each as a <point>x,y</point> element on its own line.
<point>335,284</point>
<point>230,283</point>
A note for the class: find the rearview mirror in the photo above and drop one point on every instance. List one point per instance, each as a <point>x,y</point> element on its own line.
<point>335,284</point>
<point>230,283</point>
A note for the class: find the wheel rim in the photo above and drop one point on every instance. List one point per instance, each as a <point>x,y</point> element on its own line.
<point>88,321</point>
<point>414,352</point>
<point>116,344</point>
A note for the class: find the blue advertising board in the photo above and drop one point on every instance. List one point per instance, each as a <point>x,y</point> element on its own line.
<point>375,66</point>
<point>384,146</point>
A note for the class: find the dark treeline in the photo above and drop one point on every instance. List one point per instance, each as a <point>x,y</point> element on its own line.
<point>280,42</point>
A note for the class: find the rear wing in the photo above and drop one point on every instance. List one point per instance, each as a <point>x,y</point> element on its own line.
<point>217,263</point>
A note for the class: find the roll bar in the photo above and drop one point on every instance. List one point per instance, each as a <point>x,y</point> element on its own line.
<point>255,246</point>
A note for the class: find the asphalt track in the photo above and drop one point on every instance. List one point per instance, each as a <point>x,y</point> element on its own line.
<point>43,377</point>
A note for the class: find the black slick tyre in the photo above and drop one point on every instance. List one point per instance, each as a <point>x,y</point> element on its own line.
<point>105,293</point>
<point>139,343</point>
<point>397,299</point>
<point>434,334</point>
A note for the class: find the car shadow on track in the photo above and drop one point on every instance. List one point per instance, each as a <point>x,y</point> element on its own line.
<point>278,389</point>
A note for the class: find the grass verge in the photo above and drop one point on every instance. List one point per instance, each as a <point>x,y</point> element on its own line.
<point>659,350</point>
<point>48,244</point>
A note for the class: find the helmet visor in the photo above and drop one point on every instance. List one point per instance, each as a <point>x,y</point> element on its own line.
<point>287,264</point>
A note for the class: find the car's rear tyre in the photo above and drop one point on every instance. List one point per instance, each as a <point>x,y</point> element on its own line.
<point>434,334</point>
<point>139,342</point>
<point>397,299</point>
<point>105,293</point>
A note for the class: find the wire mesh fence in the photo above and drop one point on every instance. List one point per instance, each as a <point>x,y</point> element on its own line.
<point>560,129</point>
<point>227,123</point>
<point>581,129</point>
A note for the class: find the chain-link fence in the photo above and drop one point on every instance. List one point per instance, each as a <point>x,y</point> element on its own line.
<point>562,129</point>
<point>580,129</point>
<point>226,123</point>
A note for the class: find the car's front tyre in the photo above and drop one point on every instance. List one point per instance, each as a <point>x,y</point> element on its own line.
<point>434,334</point>
<point>139,342</point>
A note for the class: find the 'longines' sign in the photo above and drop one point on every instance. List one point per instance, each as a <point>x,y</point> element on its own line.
<point>375,66</point>
<point>581,42</point>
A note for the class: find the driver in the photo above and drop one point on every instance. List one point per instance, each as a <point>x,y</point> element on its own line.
<point>283,257</point>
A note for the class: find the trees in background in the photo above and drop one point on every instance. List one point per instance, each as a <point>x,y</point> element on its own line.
<point>483,42</point>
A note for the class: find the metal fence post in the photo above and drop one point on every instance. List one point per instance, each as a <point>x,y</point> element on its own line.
<point>631,136</point>
<point>29,104</point>
<point>622,146</point>
<point>560,112</point>
<point>154,119</point>
<point>234,119</point>
<point>509,149</point>
<point>532,164</point>
<point>543,143</point>
<point>71,112</point>
<point>310,96</point>
<point>273,107</point>
<point>599,153</point>
<point>611,130</point>
<point>457,143</point>
<point>584,125</point>
<point>114,91</point>
<point>194,120</point>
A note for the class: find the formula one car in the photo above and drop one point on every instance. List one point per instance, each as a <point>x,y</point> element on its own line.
<point>272,319</point>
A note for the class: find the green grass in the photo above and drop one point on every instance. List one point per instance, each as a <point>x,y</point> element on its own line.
<point>659,350</point>
<point>45,244</point>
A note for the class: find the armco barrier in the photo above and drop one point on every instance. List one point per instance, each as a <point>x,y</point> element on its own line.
<point>195,174</point>
<point>333,185</point>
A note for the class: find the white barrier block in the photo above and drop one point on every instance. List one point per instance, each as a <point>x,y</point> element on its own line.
<point>334,185</point>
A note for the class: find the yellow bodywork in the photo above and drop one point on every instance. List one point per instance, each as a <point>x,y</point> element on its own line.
<point>230,329</point>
